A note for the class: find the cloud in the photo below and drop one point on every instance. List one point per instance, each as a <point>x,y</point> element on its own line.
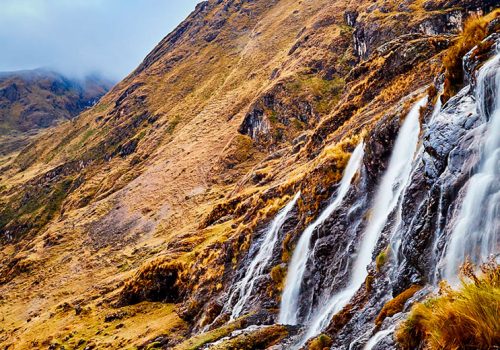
<point>79,37</point>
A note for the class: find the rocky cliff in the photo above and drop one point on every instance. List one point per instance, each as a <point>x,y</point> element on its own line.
<point>323,150</point>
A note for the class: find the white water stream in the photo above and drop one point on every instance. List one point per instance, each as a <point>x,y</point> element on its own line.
<point>290,298</point>
<point>387,197</point>
<point>244,288</point>
<point>398,231</point>
<point>378,337</point>
<point>477,232</point>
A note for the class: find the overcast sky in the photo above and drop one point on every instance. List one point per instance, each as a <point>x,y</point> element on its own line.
<point>78,37</point>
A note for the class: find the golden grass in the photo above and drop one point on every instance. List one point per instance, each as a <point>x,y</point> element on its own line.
<point>278,274</point>
<point>466,318</point>
<point>321,342</point>
<point>475,30</point>
<point>396,305</point>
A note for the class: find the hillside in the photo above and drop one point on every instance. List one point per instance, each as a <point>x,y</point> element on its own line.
<point>37,99</point>
<point>141,222</point>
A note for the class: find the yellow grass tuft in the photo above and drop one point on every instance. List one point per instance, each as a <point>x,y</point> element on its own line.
<point>382,258</point>
<point>320,343</point>
<point>467,318</point>
<point>396,305</point>
<point>475,30</point>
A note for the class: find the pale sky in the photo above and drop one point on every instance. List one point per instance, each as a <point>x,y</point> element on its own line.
<point>79,37</point>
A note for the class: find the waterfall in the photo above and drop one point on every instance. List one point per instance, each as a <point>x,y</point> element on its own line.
<point>377,338</point>
<point>244,288</point>
<point>290,298</point>
<point>398,231</point>
<point>437,107</point>
<point>388,194</point>
<point>393,184</point>
<point>476,233</point>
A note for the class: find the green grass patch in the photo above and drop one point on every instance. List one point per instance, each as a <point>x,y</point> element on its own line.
<point>172,124</point>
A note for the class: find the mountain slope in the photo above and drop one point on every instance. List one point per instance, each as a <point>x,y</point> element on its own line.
<point>37,99</point>
<point>131,224</point>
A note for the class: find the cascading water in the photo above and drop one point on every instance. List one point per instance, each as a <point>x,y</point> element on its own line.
<point>377,338</point>
<point>398,231</point>
<point>477,232</point>
<point>388,194</point>
<point>290,297</point>
<point>244,288</point>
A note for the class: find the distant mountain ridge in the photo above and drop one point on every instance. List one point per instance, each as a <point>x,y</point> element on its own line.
<point>34,99</point>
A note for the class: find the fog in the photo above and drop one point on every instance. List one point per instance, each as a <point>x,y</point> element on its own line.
<point>80,37</point>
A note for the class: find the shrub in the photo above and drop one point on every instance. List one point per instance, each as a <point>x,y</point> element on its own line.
<point>156,281</point>
<point>320,343</point>
<point>396,305</point>
<point>278,274</point>
<point>467,318</point>
<point>382,258</point>
<point>475,30</point>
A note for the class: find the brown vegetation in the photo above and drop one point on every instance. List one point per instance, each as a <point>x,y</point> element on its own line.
<point>396,305</point>
<point>157,281</point>
<point>475,30</point>
<point>320,343</point>
<point>465,318</point>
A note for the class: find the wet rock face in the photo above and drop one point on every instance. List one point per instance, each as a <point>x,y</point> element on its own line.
<point>275,118</point>
<point>337,240</point>
<point>438,176</point>
<point>334,245</point>
<point>451,22</point>
<point>452,144</point>
<point>379,146</point>
<point>473,60</point>
<point>255,125</point>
